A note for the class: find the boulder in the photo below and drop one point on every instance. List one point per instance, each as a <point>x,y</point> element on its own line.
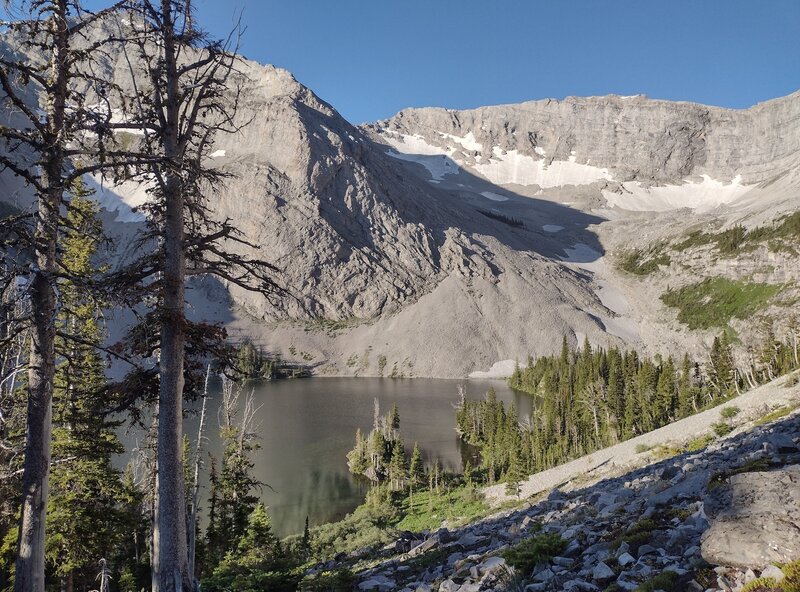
<point>602,573</point>
<point>378,583</point>
<point>755,520</point>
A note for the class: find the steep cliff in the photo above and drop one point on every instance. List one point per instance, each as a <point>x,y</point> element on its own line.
<point>441,243</point>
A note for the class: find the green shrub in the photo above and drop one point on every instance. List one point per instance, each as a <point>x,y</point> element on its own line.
<point>341,580</point>
<point>697,444</point>
<point>668,581</point>
<point>537,549</point>
<point>642,448</point>
<point>644,261</point>
<point>694,239</point>
<point>791,581</point>
<point>729,412</point>
<point>637,534</point>
<point>761,585</point>
<point>721,428</point>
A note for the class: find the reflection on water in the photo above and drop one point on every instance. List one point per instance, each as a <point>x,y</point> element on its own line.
<point>307,427</point>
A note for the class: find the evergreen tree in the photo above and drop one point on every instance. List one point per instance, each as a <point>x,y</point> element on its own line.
<point>258,561</point>
<point>514,475</point>
<point>83,523</point>
<point>397,465</point>
<point>305,542</point>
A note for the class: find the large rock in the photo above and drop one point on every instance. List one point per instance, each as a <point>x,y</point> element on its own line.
<point>755,520</point>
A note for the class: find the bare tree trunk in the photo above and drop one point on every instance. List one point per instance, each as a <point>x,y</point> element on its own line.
<point>30,563</point>
<point>192,527</point>
<point>171,568</point>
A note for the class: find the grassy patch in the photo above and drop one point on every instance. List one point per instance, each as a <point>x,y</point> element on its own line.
<point>430,509</point>
<point>537,549</point>
<point>640,448</point>
<point>775,414</point>
<point>665,451</point>
<point>699,443</point>
<point>715,301</point>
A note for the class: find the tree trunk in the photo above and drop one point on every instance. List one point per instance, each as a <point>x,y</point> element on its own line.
<point>192,527</point>
<point>30,563</point>
<point>171,567</point>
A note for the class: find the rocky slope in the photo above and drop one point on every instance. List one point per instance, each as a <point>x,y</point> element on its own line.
<point>714,516</point>
<point>441,243</point>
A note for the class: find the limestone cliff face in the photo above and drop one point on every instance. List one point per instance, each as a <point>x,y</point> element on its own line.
<point>442,242</point>
<point>636,138</point>
<point>322,205</point>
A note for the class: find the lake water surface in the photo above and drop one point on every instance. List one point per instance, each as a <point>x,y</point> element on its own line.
<point>307,426</point>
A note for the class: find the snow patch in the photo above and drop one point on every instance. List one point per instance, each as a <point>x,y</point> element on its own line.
<point>493,196</point>
<point>699,195</point>
<point>501,369</point>
<point>120,199</point>
<point>512,167</point>
<point>540,151</point>
<point>438,161</point>
<point>438,166</point>
<point>217,154</point>
<point>468,141</point>
<point>552,227</point>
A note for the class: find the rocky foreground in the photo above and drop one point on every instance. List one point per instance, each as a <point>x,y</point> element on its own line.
<point>715,519</point>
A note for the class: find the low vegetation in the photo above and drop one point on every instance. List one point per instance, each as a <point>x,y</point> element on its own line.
<point>251,362</point>
<point>782,235</point>
<point>666,581</point>
<point>644,261</point>
<point>540,548</point>
<point>776,414</point>
<point>508,220</point>
<point>713,302</point>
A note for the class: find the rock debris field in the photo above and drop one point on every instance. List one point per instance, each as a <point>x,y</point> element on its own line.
<point>715,518</point>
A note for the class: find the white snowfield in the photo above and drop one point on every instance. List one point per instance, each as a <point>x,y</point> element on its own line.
<point>120,198</point>
<point>501,369</point>
<point>753,404</point>
<point>699,195</point>
<point>438,161</point>
<point>493,196</point>
<point>509,167</point>
<point>217,154</point>
<point>468,141</point>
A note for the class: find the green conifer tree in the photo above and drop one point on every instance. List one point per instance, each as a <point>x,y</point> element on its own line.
<point>84,523</point>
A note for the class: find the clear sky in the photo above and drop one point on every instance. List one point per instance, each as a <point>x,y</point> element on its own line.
<point>372,58</point>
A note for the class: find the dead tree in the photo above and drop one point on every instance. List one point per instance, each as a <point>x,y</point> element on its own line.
<point>43,85</point>
<point>186,91</point>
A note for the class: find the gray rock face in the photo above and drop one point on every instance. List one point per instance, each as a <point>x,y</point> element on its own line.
<point>755,520</point>
<point>442,278</point>
<point>637,138</point>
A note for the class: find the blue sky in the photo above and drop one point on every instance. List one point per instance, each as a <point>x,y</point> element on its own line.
<point>371,58</point>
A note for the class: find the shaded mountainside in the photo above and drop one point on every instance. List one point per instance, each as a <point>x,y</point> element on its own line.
<point>440,243</point>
